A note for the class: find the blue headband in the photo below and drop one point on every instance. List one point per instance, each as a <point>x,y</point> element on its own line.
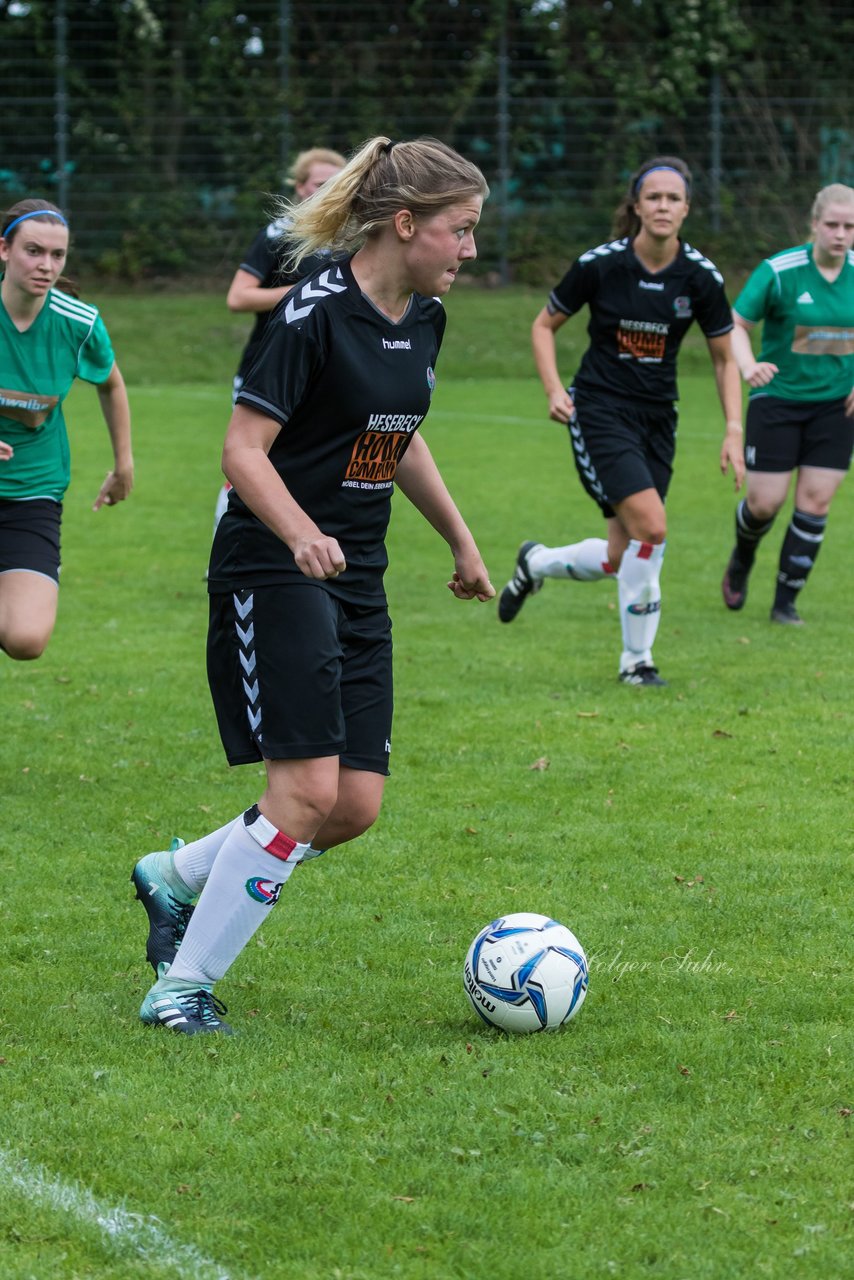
<point>661,168</point>
<point>36,213</point>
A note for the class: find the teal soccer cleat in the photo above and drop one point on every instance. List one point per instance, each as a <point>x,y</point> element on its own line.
<point>158,887</point>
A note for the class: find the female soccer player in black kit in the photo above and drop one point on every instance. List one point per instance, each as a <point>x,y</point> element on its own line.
<point>299,644</point>
<point>644,290</point>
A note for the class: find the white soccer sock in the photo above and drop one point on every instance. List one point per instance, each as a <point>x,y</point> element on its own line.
<point>247,876</point>
<point>586,561</point>
<point>193,863</point>
<point>640,601</point>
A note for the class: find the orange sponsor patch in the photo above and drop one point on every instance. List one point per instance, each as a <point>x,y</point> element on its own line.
<point>26,407</point>
<point>823,340</point>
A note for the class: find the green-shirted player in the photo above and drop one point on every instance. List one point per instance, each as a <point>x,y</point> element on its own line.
<point>800,416</point>
<point>47,339</point>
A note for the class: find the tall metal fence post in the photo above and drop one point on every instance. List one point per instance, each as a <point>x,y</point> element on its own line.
<point>61,102</point>
<point>284,83</point>
<point>715,129</point>
<point>503,122</point>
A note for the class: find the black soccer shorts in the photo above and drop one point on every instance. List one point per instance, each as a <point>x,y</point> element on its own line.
<point>782,435</point>
<point>296,673</point>
<point>29,536</point>
<point>621,447</point>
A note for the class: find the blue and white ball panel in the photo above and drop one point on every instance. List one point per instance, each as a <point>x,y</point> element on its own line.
<point>526,972</point>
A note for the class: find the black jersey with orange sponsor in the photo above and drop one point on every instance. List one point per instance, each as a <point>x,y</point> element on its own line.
<point>638,318</point>
<point>264,261</point>
<point>348,388</point>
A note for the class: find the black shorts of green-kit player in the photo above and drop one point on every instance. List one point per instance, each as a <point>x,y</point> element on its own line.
<point>296,672</point>
<point>782,435</point>
<point>30,536</point>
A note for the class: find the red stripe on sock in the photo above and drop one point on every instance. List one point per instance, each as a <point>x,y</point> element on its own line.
<point>281,846</point>
<point>645,550</point>
<point>607,567</point>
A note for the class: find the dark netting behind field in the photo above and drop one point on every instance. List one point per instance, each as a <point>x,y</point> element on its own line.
<point>162,125</point>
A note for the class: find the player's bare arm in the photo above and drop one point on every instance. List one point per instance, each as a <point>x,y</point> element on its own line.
<point>246,463</point>
<point>729,392</point>
<point>247,293</point>
<point>755,373</point>
<point>543,333</point>
<point>419,478</point>
<point>115,407</point>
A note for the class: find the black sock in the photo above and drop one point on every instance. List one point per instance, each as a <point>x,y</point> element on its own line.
<point>801,545</point>
<point>748,532</point>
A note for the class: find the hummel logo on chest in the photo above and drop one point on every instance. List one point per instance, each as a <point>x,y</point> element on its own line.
<point>806,296</point>
<point>397,344</point>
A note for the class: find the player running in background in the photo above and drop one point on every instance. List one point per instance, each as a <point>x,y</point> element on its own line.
<point>48,337</point>
<point>299,645</point>
<point>261,280</point>
<point>644,289</point>
<point>800,415</point>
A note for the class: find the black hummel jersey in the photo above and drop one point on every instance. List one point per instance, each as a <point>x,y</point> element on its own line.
<point>264,260</point>
<point>638,318</point>
<point>348,388</point>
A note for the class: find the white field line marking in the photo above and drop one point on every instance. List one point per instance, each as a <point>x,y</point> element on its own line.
<point>126,1232</point>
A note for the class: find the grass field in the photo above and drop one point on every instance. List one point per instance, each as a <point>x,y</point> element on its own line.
<point>693,1123</point>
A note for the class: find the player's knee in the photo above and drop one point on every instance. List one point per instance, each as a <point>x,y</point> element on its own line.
<point>24,645</point>
<point>359,818</point>
<point>763,511</point>
<point>653,530</point>
<point>318,802</point>
<point>813,504</point>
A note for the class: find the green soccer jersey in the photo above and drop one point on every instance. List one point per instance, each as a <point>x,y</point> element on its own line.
<point>67,340</point>
<point>808,329</point>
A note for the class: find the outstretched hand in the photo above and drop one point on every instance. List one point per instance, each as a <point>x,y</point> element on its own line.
<point>6,451</point>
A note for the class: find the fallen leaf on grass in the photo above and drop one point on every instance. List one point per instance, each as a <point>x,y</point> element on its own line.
<point>721,733</point>
<point>405,1199</point>
<point>684,1071</point>
<point>541,764</point>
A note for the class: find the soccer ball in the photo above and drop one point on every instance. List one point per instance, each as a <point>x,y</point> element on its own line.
<point>526,972</point>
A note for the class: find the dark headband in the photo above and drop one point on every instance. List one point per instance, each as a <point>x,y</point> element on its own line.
<point>659,168</point>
